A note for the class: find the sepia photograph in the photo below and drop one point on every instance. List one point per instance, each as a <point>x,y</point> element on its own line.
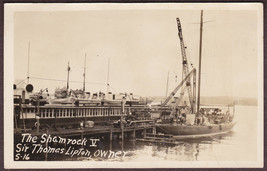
<point>140,85</point>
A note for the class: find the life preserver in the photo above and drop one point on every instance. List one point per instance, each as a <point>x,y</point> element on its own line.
<point>36,124</point>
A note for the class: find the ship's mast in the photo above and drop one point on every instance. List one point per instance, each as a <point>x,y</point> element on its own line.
<point>28,73</point>
<point>108,77</point>
<point>84,70</point>
<point>200,55</point>
<point>68,69</point>
<point>185,72</point>
<point>167,86</point>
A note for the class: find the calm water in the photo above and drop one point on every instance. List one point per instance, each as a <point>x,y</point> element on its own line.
<point>238,145</point>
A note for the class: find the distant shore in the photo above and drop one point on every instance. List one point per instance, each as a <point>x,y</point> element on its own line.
<point>222,100</point>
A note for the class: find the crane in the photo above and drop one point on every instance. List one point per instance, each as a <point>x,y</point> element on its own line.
<point>193,72</point>
<point>186,74</point>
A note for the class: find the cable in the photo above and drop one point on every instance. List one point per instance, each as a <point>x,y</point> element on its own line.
<point>113,89</point>
<point>49,79</point>
<point>22,81</point>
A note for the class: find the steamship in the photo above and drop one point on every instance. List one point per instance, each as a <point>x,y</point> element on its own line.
<point>69,112</point>
<point>70,107</point>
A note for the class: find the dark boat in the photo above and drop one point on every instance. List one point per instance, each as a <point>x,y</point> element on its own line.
<point>196,130</point>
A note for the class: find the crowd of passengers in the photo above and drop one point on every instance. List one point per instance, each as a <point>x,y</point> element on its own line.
<point>205,116</point>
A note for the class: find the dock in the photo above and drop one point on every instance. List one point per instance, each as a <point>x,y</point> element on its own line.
<point>142,126</point>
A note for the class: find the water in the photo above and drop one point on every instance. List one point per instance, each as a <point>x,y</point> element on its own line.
<point>238,145</point>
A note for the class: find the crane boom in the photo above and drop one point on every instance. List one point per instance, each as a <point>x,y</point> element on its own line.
<point>185,67</point>
<point>178,87</point>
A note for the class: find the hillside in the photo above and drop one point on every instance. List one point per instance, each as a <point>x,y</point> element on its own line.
<point>222,100</point>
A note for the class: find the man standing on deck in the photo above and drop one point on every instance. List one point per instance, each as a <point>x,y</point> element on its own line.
<point>182,111</point>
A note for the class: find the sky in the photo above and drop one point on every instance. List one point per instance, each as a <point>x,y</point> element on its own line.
<point>142,46</point>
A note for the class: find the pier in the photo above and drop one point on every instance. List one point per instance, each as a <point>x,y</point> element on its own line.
<point>131,129</point>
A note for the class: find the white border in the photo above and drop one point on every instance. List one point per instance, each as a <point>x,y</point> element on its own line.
<point>9,10</point>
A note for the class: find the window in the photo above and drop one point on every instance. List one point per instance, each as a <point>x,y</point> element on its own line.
<point>52,113</point>
<point>47,113</point>
<point>80,112</point>
<point>43,113</point>
<point>70,112</point>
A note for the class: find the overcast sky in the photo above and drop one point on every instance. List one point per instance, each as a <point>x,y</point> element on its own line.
<point>142,46</point>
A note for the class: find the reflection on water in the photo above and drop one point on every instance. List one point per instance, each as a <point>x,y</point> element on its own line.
<point>186,150</point>
<point>240,144</point>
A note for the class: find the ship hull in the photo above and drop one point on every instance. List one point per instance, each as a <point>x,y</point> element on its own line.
<point>195,130</point>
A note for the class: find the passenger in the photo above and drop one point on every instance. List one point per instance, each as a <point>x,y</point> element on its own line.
<point>171,118</point>
<point>202,111</point>
<point>210,112</point>
<point>182,111</point>
<point>184,115</point>
<point>179,120</point>
<point>197,120</point>
<point>202,120</point>
<point>176,117</point>
<point>183,119</point>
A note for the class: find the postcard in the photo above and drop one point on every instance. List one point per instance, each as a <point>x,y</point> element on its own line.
<point>140,85</point>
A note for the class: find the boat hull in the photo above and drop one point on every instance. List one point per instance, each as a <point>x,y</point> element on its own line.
<point>194,129</point>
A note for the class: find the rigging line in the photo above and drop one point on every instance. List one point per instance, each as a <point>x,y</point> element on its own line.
<point>28,72</point>
<point>188,55</point>
<point>204,22</point>
<point>49,79</point>
<point>112,88</point>
<point>22,81</point>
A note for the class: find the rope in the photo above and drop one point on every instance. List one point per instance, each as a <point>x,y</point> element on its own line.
<point>49,79</point>
<point>22,81</point>
<point>113,89</point>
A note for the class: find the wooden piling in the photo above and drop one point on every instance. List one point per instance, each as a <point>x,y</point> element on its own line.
<point>134,134</point>
<point>122,145</point>
<point>16,122</point>
<point>46,146</point>
<point>110,139</point>
<point>122,133</point>
<point>144,132</point>
<point>38,113</point>
<point>110,135</point>
<point>121,120</point>
<point>154,127</point>
<point>82,136</point>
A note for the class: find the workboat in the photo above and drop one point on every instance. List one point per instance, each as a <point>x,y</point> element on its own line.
<point>182,121</point>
